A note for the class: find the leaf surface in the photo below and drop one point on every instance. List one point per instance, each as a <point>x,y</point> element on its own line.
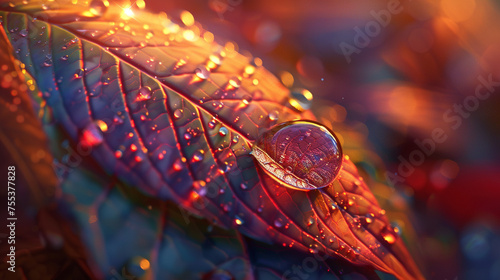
<point>136,93</point>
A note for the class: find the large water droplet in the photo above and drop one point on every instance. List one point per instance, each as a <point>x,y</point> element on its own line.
<point>223,131</point>
<point>275,147</point>
<point>98,7</point>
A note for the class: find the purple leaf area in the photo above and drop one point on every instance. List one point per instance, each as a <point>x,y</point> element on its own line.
<point>175,115</point>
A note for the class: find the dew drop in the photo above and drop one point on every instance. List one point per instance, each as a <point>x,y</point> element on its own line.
<point>188,136</point>
<point>273,115</point>
<point>388,235</point>
<point>64,57</point>
<point>178,113</point>
<point>236,139</point>
<point>79,73</point>
<point>145,93</point>
<point>243,186</point>
<point>246,100</point>
<point>235,82</point>
<point>23,32</point>
<point>98,7</point>
<point>48,61</point>
<point>91,135</point>
<point>202,72</point>
<point>278,223</point>
<point>238,221</point>
<point>310,221</point>
<point>211,124</point>
<point>198,155</point>
<point>223,131</point>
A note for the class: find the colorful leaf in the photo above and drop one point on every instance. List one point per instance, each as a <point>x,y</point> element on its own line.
<point>175,115</point>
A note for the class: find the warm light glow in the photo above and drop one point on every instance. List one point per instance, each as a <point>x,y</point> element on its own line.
<point>127,13</point>
<point>458,10</point>
<point>287,78</point>
<point>187,18</point>
<point>144,264</point>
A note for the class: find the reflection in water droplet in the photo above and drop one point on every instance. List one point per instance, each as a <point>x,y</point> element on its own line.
<point>98,7</point>
<point>79,73</point>
<point>145,93</point>
<point>235,82</point>
<point>178,113</point>
<point>276,151</point>
<point>300,99</point>
<point>273,115</point>
<point>223,131</point>
<point>389,235</point>
<point>202,72</point>
<point>211,124</point>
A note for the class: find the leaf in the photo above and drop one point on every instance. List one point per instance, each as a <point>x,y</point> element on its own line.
<point>137,93</point>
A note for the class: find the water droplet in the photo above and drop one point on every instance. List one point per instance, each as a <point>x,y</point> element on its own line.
<point>91,135</point>
<point>200,187</point>
<point>388,235</point>
<point>98,7</point>
<point>64,57</point>
<point>236,138</point>
<point>235,82</point>
<point>243,186</point>
<point>300,99</point>
<point>273,116</point>
<point>246,99</point>
<point>145,93</point>
<point>188,136</point>
<point>223,131</point>
<point>79,73</point>
<point>23,32</point>
<point>48,61</point>
<point>238,221</point>
<point>202,72</point>
<point>278,223</point>
<point>198,155</point>
<point>177,166</point>
<point>117,119</point>
<point>118,154</point>
<point>178,113</point>
<point>276,159</point>
<point>211,124</point>
<point>310,221</point>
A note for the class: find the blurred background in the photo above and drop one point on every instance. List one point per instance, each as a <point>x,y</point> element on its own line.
<point>413,81</point>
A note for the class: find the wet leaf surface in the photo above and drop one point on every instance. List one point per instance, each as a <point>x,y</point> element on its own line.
<point>174,116</point>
